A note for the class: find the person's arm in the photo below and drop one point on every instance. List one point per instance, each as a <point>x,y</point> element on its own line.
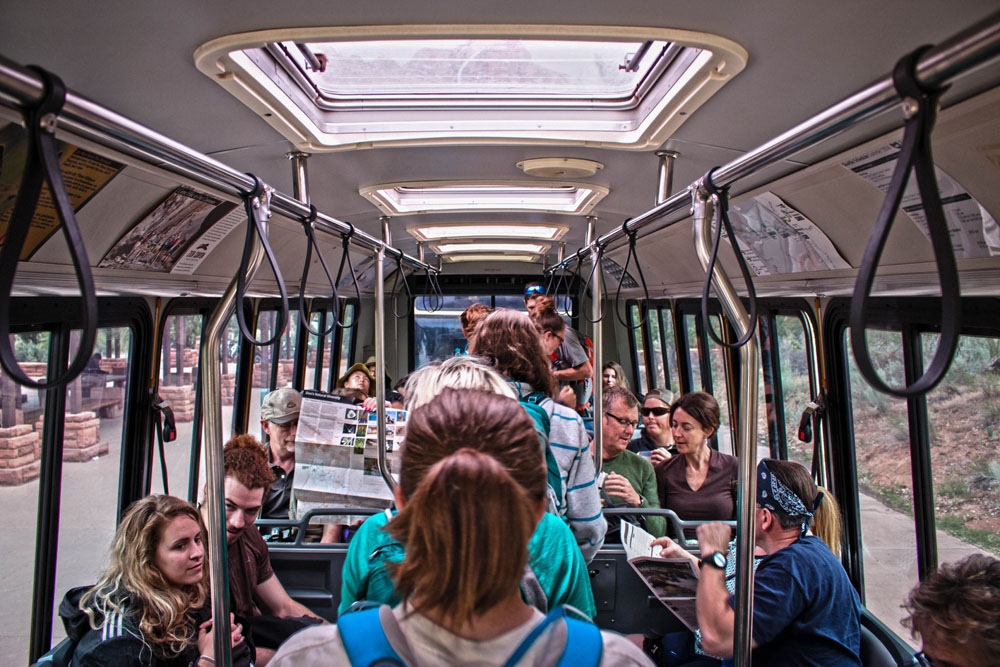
<point>273,595</point>
<point>581,372</point>
<point>716,618</point>
<point>583,498</point>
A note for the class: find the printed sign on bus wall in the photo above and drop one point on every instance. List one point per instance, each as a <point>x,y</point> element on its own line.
<point>84,174</point>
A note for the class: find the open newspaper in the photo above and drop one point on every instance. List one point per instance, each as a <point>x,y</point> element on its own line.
<point>674,581</point>
<point>336,455</point>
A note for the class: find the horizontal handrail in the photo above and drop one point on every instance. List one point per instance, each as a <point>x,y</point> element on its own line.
<point>940,65</point>
<point>84,118</point>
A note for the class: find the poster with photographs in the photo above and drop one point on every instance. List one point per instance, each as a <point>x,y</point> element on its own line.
<point>674,582</point>
<point>336,454</point>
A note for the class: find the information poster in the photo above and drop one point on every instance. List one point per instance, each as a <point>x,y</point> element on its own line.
<point>777,239</point>
<point>170,236</point>
<point>336,455</point>
<point>973,231</point>
<point>84,174</point>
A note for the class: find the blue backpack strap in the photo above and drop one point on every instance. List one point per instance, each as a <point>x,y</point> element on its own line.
<point>364,639</point>
<point>583,648</point>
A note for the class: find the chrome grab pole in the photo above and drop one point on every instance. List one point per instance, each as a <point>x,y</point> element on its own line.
<point>665,180</point>
<point>704,211</point>
<point>380,388</point>
<point>300,176</point>
<point>211,407</point>
<point>597,295</point>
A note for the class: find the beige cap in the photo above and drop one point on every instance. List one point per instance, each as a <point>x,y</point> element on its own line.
<point>281,406</point>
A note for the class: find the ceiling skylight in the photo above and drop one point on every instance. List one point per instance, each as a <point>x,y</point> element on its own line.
<point>482,257</point>
<point>473,196</point>
<point>342,87</point>
<point>487,230</point>
<point>497,246</point>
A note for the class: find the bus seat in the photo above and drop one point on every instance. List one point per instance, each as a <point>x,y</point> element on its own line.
<point>880,646</point>
<point>873,651</point>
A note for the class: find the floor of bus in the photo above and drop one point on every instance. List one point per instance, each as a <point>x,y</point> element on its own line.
<point>90,490</point>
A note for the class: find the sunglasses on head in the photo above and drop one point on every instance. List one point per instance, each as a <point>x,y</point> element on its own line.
<point>659,412</point>
<point>534,290</point>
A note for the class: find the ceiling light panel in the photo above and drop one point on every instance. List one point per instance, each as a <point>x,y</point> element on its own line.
<point>487,230</point>
<point>480,257</point>
<point>481,196</point>
<point>500,246</point>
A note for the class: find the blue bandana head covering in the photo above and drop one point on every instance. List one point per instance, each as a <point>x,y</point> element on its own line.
<point>772,494</point>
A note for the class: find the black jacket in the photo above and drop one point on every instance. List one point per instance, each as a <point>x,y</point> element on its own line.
<point>120,644</point>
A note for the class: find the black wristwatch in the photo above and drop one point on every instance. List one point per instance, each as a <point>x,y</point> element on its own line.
<point>717,559</point>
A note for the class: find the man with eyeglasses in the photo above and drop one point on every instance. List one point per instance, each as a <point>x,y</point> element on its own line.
<point>630,480</point>
<point>279,422</point>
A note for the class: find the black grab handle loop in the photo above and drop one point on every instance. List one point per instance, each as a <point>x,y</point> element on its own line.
<point>345,258</point>
<point>258,207</point>
<point>433,296</point>
<point>722,198</point>
<point>915,154</point>
<point>307,225</point>
<point>644,308</point>
<point>409,294</point>
<point>43,164</point>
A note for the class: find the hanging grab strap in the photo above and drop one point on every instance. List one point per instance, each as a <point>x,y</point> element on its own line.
<point>43,163</point>
<point>345,259</point>
<point>307,225</point>
<point>644,308</point>
<point>599,272</point>
<point>409,294</point>
<point>258,208</point>
<point>722,198</point>
<point>920,106</point>
<point>435,300</point>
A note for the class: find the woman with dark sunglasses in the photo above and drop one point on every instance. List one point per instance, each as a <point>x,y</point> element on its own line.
<point>655,441</point>
<point>698,483</point>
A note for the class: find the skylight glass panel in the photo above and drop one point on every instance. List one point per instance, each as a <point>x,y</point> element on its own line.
<point>477,67</point>
<point>402,198</point>
<point>486,230</point>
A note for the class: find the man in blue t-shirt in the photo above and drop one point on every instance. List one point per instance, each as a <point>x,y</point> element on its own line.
<point>805,611</point>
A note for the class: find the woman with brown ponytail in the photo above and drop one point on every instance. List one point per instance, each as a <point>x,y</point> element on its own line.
<point>805,610</point>
<point>472,489</point>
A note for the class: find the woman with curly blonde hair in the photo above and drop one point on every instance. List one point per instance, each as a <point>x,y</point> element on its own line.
<point>150,606</point>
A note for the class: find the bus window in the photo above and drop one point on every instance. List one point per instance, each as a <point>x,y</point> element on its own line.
<point>964,420</point>
<point>656,348</point>
<point>638,349</point>
<point>92,445</point>
<point>318,321</point>
<point>179,363</point>
<point>347,338</point>
<point>438,334</point>
<point>882,450</point>
<point>694,352</point>
<point>718,389</point>
<point>794,367</point>
<point>20,439</point>
<point>669,349</point>
<point>273,365</point>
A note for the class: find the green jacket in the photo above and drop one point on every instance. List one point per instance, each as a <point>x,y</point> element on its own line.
<point>553,556</point>
<point>639,472</point>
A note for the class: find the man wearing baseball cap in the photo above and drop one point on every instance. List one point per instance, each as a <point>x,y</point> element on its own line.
<point>279,421</point>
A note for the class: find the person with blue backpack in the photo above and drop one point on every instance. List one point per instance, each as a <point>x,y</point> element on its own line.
<point>466,517</point>
<point>512,343</point>
<point>555,574</point>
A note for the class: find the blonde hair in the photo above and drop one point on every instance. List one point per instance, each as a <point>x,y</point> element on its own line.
<point>133,585</point>
<point>462,372</point>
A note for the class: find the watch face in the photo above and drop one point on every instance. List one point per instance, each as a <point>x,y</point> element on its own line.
<point>719,560</point>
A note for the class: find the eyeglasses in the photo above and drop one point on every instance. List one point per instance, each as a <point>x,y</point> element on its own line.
<point>534,290</point>
<point>562,339</point>
<point>659,412</point>
<point>625,423</point>
<point>287,426</point>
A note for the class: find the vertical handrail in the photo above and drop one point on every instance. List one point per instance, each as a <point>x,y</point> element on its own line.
<point>704,211</point>
<point>665,175</point>
<point>595,304</point>
<point>211,398</point>
<point>380,387</point>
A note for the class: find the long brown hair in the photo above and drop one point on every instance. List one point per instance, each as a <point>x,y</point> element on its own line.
<point>546,319</point>
<point>133,586</point>
<point>702,406</point>
<point>511,342</point>
<point>474,478</point>
<point>826,522</point>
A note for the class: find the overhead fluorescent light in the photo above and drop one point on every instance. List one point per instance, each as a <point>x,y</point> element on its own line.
<point>498,246</point>
<point>487,230</point>
<point>493,196</point>
<point>481,257</point>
